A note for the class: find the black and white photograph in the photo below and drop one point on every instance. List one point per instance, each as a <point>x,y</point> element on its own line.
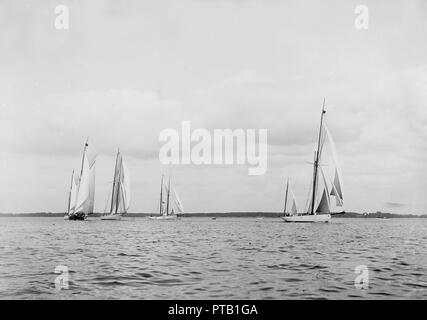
<point>213,150</point>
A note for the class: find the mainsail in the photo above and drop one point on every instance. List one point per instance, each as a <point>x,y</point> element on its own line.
<point>83,196</point>
<point>120,195</point>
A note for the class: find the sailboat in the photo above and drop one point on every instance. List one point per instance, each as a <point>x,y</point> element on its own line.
<point>290,195</point>
<point>319,207</point>
<point>82,194</point>
<point>120,195</point>
<point>169,208</point>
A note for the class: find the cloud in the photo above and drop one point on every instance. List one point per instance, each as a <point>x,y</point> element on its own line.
<point>395,204</point>
<point>124,118</point>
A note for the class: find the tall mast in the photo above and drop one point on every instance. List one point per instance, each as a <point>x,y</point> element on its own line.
<point>316,160</point>
<point>119,173</point>
<point>83,161</point>
<point>161,195</point>
<point>69,195</point>
<point>83,158</point>
<point>169,189</point>
<point>286,196</point>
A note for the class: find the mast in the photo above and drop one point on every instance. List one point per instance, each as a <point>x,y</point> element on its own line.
<point>169,189</point>
<point>286,196</point>
<point>83,159</point>
<point>316,160</point>
<point>69,195</point>
<point>161,195</point>
<point>118,183</point>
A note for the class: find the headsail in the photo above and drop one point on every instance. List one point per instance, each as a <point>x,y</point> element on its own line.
<point>73,193</point>
<point>324,203</point>
<point>177,201</point>
<point>83,196</point>
<point>337,183</point>
<point>72,196</point>
<point>294,208</point>
<point>290,195</point>
<point>126,186</point>
<point>323,206</point>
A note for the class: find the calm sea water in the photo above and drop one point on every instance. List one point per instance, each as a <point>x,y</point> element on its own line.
<point>201,258</point>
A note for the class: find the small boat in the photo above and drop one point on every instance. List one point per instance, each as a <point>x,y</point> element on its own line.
<point>82,191</point>
<point>120,195</point>
<point>319,205</point>
<point>382,218</point>
<point>173,202</point>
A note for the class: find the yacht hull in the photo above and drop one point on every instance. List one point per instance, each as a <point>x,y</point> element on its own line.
<point>171,217</point>
<point>75,217</point>
<point>308,218</point>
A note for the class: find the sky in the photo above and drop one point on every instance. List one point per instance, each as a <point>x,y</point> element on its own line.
<point>125,70</point>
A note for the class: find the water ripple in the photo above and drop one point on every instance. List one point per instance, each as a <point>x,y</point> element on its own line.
<point>200,258</point>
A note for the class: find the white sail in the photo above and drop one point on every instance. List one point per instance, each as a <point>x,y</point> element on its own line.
<point>83,201</point>
<point>308,202</point>
<point>294,209</point>
<point>120,196</point>
<point>289,195</point>
<point>324,203</point>
<point>338,177</point>
<point>323,206</point>
<point>177,200</point>
<point>73,194</point>
<point>91,156</point>
<point>126,186</point>
<point>338,200</point>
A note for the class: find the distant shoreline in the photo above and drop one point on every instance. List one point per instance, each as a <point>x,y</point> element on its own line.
<point>222,215</point>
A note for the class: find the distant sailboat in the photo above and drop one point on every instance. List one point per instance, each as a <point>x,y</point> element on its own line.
<point>293,209</point>
<point>168,208</point>
<point>84,189</point>
<point>319,205</point>
<point>120,195</point>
